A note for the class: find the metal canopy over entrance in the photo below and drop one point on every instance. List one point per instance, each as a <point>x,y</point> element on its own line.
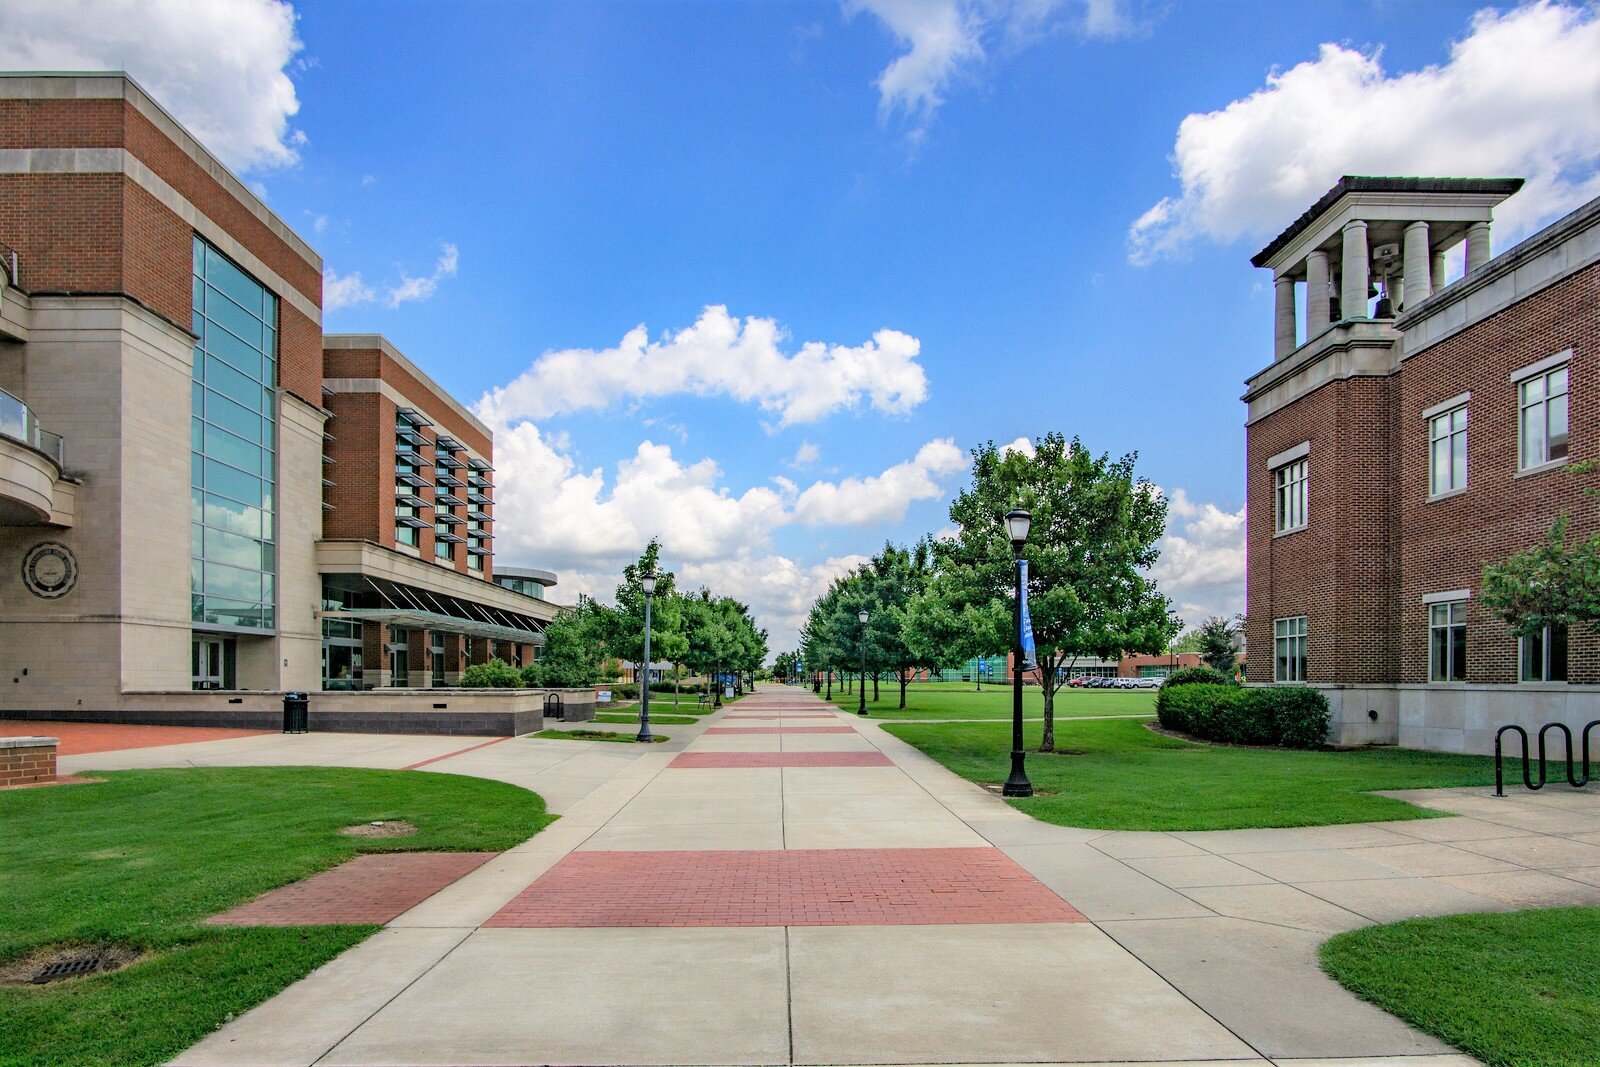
<point>413,608</point>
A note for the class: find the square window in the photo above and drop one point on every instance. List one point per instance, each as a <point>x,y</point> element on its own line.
<point>1543,656</point>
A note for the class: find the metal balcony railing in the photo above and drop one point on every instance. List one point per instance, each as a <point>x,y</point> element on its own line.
<point>18,422</point>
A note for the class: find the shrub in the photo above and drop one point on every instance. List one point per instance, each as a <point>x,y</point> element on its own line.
<point>1292,716</point>
<point>1299,714</point>
<point>1196,676</point>
<point>624,691</point>
<point>496,674</point>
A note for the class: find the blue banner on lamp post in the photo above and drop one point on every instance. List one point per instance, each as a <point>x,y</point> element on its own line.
<point>1029,658</point>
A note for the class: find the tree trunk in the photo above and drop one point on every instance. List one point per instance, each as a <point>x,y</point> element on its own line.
<point>905,676</point>
<point>830,683</point>
<point>1047,687</point>
<point>874,687</point>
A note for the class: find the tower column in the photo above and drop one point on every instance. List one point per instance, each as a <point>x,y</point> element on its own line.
<point>1438,271</point>
<point>1415,262</point>
<point>1354,270</point>
<point>1478,252</point>
<point>1283,326</point>
<point>1317,305</point>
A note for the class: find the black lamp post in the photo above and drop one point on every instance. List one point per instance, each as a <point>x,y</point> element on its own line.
<point>1017,525</point>
<point>647,582</point>
<point>861,709</point>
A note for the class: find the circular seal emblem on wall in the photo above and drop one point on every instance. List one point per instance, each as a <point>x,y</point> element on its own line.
<point>49,570</point>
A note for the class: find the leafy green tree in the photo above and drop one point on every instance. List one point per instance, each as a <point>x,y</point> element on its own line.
<point>624,624</point>
<point>1093,540</point>
<point>1554,583</point>
<point>1215,644</point>
<point>891,585</point>
<point>1186,642</point>
<point>571,654</point>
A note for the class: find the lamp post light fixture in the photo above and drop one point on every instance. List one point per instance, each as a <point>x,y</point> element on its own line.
<point>1018,523</point>
<point>647,582</point>
<point>861,709</point>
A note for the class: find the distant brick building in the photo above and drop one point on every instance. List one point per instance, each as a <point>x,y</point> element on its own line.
<point>1407,433</point>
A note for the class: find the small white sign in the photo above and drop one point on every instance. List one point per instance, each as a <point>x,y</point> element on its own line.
<point>603,697</point>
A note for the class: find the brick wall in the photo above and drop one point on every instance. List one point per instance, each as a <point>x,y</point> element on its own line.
<point>1448,541</point>
<point>27,760</point>
<point>1375,544</point>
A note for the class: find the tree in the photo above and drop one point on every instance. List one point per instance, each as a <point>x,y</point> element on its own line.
<point>1186,642</point>
<point>1550,584</point>
<point>1214,642</point>
<point>1095,528</point>
<point>625,623</point>
<point>890,585</point>
<point>571,653</point>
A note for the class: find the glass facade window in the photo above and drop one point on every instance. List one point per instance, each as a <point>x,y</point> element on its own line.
<point>1542,419</point>
<point>1290,493</point>
<point>1447,451</point>
<point>1544,655</point>
<point>399,657</point>
<point>233,562</point>
<point>1447,642</point>
<point>1289,649</point>
<point>342,666</point>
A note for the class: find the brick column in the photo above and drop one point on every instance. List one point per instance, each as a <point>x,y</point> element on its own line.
<point>455,658</point>
<point>27,760</point>
<point>479,650</point>
<point>375,654</point>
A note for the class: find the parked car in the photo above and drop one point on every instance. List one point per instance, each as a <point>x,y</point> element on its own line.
<point>1148,683</point>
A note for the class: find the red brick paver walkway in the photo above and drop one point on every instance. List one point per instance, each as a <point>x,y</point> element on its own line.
<point>790,715</point>
<point>727,760</point>
<point>367,889</point>
<point>780,730</point>
<point>797,887</point>
<point>82,738</point>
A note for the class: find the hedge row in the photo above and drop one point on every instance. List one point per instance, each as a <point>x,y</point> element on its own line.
<point>1291,716</point>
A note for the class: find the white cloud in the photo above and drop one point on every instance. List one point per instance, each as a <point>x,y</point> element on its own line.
<point>779,590</point>
<point>555,513</point>
<point>882,498</point>
<point>719,355</point>
<point>1519,97</point>
<point>1202,564</point>
<point>945,40</point>
<point>344,290</point>
<point>805,455</point>
<point>422,288</point>
<point>219,67</point>
<point>1023,445</point>
<point>350,290</point>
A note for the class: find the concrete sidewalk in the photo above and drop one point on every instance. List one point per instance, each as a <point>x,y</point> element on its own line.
<point>621,945</point>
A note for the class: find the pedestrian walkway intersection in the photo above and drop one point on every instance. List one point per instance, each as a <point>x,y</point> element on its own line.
<point>766,893</point>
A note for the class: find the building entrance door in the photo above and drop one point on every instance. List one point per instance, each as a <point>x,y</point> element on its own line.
<point>207,663</point>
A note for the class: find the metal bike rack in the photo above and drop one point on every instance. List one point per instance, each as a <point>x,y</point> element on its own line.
<point>1574,778</point>
<point>552,706</point>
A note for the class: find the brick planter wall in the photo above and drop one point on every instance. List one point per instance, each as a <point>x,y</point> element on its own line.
<point>27,760</point>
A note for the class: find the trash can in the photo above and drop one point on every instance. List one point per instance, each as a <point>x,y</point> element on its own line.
<point>296,713</point>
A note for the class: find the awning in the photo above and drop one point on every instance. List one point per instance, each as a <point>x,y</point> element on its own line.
<point>408,606</point>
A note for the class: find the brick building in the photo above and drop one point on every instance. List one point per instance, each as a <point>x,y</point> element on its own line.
<point>198,490</point>
<point>1411,429</point>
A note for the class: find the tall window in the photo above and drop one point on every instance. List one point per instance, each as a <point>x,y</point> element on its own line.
<point>1447,447</point>
<point>1290,481</point>
<point>232,460</point>
<point>1543,419</point>
<point>1289,649</point>
<point>1544,655</point>
<point>1447,641</point>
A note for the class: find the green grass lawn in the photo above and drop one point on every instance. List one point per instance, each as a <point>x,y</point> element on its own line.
<point>1129,778</point>
<point>1515,990</point>
<point>960,700</point>
<point>143,857</point>
<point>626,736</point>
<point>655,717</point>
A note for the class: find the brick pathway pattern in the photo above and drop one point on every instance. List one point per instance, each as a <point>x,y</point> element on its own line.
<point>731,760</point>
<point>780,730</point>
<point>790,715</point>
<point>83,738</point>
<point>794,887</point>
<point>367,889</point>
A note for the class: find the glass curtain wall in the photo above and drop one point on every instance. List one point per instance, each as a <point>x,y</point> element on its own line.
<point>232,444</point>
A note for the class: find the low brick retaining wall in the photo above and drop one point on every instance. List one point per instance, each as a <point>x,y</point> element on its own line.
<point>469,712</point>
<point>27,760</point>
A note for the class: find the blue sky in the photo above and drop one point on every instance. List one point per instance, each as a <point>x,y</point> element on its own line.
<point>964,173</point>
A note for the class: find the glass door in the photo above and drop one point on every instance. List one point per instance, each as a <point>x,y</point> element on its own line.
<point>206,663</point>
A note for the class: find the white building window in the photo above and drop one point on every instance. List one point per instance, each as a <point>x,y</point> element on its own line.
<point>1542,419</point>
<point>1447,641</point>
<point>1447,451</point>
<point>1289,649</point>
<point>1290,484</point>
<point>1544,655</point>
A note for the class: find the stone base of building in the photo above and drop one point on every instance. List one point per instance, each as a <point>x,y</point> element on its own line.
<point>1455,717</point>
<point>472,712</point>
